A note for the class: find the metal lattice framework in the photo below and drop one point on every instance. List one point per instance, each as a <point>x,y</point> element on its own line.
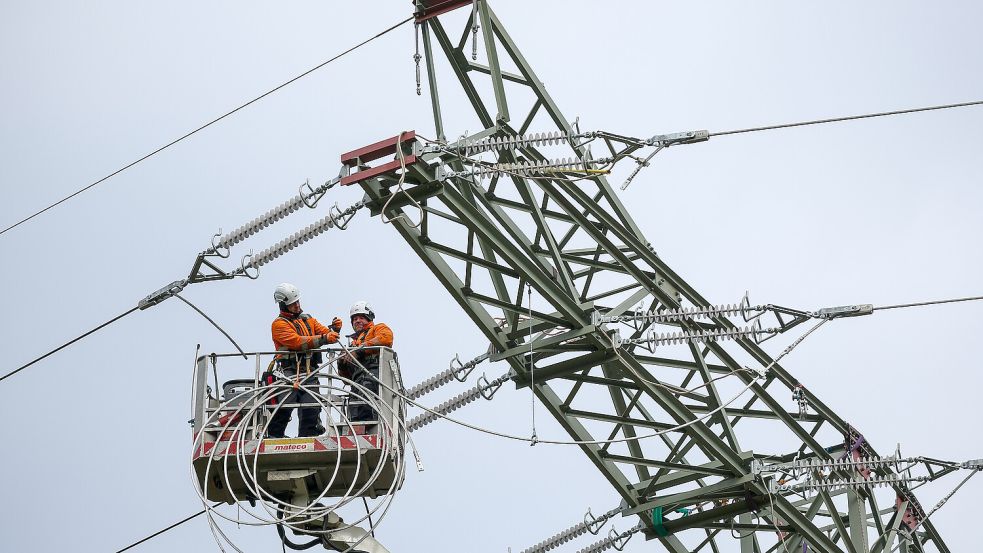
<point>566,235</point>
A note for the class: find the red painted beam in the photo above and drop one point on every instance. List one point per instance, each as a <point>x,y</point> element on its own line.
<point>433,8</point>
<point>371,172</point>
<point>371,152</point>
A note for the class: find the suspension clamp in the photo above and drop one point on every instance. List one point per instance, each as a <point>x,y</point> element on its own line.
<point>162,294</point>
<point>844,311</point>
<point>690,137</point>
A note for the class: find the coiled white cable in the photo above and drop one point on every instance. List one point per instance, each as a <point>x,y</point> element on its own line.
<point>276,510</point>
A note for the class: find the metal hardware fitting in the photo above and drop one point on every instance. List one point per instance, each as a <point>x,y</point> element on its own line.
<point>690,137</point>
<point>844,311</point>
<point>162,294</point>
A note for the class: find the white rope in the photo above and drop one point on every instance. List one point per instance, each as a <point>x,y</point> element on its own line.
<point>532,370</point>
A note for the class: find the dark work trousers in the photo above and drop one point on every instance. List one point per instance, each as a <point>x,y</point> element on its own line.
<point>310,417</point>
<point>363,412</point>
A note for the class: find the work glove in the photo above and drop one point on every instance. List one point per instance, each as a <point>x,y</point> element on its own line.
<point>330,337</point>
<point>336,324</point>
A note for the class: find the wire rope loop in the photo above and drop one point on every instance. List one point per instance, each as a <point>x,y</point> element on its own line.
<point>217,247</point>
<point>287,514</point>
<point>399,189</point>
<point>246,266</point>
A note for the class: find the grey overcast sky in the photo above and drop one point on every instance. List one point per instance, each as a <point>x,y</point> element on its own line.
<point>95,442</point>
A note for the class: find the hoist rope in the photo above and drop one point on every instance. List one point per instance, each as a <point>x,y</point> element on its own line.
<point>209,319</point>
<point>210,123</point>
<point>532,369</point>
<point>847,118</point>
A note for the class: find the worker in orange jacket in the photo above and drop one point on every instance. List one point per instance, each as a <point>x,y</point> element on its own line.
<point>362,365</point>
<point>296,331</point>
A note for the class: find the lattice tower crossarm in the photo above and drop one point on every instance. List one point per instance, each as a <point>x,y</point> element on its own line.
<point>659,429</point>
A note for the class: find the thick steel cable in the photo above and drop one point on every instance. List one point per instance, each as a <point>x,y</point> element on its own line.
<point>66,344</point>
<point>847,118</point>
<point>923,303</point>
<point>159,532</point>
<point>208,124</point>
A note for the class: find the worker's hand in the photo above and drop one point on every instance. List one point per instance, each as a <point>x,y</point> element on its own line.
<point>336,324</point>
<point>331,337</point>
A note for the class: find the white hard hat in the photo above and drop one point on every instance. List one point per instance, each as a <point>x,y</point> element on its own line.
<point>286,293</point>
<point>362,308</point>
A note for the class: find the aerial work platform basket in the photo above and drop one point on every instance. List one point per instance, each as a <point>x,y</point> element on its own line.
<point>234,460</point>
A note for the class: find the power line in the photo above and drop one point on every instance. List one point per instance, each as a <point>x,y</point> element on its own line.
<point>66,344</point>
<point>159,532</point>
<point>847,118</point>
<point>206,125</point>
<point>919,304</point>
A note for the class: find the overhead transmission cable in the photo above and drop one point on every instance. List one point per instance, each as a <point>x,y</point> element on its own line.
<point>208,124</point>
<point>66,344</point>
<point>336,218</point>
<point>847,118</point>
<point>159,532</point>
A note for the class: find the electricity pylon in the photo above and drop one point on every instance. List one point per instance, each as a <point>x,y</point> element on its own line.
<point>549,265</point>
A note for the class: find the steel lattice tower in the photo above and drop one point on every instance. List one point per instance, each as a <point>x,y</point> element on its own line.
<point>573,242</point>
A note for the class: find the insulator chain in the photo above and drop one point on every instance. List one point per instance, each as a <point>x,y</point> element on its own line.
<point>456,371</point>
<point>558,539</point>
<point>484,388</point>
<point>526,168</point>
<point>744,309</point>
<point>653,339</point>
<point>513,142</point>
<point>590,524</point>
<point>335,218</point>
<point>812,465</point>
<point>875,481</point>
<point>614,539</point>
<point>270,217</point>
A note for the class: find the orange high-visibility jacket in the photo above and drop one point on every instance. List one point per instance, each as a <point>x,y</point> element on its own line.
<point>374,334</point>
<point>299,333</point>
